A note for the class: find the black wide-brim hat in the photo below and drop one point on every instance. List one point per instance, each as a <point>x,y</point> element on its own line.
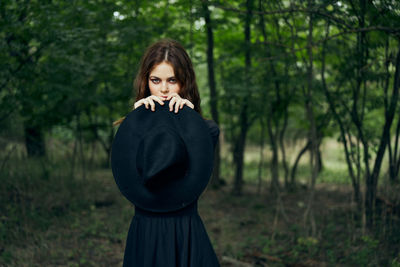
<point>161,160</point>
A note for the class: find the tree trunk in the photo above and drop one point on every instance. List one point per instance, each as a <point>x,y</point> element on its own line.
<point>394,159</point>
<point>238,155</point>
<point>240,143</point>
<point>354,179</point>
<point>215,179</point>
<point>372,180</point>
<point>260,164</point>
<point>309,213</point>
<point>34,141</point>
<point>296,163</point>
<point>276,135</point>
<point>274,162</point>
<point>282,147</point>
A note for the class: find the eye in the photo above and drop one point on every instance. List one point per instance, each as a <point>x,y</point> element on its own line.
<point>155,80</point>
<point>172,80</point>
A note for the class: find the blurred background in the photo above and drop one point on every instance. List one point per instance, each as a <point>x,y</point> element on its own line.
<point>306,95</point>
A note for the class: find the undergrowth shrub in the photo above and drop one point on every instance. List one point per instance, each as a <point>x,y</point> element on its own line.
<point>34,192</point>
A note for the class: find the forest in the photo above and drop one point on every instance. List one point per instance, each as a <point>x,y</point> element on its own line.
<point>305,93</point>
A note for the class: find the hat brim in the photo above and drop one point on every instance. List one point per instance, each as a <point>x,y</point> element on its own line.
<point>179,192</point>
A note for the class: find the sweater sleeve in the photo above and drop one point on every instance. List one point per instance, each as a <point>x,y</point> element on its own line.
<point>214,131</point>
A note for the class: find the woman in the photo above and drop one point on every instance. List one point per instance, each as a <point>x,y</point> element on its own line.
<point>175,238</point>
<point>166,58</point>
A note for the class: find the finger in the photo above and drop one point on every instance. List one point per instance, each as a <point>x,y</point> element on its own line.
<point>173,95</point>
<point>171,103</point>
<point>178,103</point>
<point>138,103</point>
<point>190,104</point>
<point>170,96</point>
<point>153,106</point>
<point>182,104</point>
<point>158,99</point>
<point>146,103</point>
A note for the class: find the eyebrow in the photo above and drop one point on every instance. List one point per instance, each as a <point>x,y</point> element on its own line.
<point>152,76</point>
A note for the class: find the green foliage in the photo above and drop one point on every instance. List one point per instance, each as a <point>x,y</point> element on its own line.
<point>396,261</point>
<point>67,70</point>
<point>366,253</point>
<point>33,197</point>
<point>43,204</point>
<point>308,245</point>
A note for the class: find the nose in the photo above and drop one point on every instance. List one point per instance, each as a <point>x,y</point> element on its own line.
<point>164,87</point>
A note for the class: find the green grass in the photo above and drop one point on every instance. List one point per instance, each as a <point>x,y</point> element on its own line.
<point>334,166</point>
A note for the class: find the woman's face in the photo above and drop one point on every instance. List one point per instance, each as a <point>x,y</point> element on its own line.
<point>162,81</point>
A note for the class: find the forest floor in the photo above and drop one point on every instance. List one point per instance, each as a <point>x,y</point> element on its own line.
<point>244,230</point>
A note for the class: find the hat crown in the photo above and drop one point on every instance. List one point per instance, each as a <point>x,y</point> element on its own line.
<point>148,152</point>
<point>161,157</point>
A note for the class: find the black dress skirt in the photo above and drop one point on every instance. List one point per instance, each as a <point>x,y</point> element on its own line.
<point>170,239</point>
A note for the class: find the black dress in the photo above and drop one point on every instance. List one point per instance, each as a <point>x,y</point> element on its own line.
<point>170,239</point>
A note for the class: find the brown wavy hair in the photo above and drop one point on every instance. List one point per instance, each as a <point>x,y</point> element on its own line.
<point>172,52</point>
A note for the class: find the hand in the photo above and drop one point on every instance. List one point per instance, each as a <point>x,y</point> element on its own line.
<point>180,102</point>
<point>149,101</point>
